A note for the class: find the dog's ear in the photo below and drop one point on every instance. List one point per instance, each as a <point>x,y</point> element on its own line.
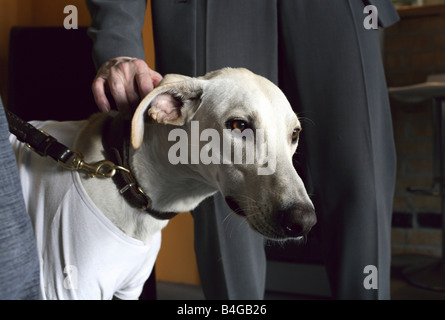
<point>174,101</point>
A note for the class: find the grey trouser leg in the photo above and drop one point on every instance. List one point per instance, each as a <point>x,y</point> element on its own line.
<point>230,256</point>
<point>331,71</point>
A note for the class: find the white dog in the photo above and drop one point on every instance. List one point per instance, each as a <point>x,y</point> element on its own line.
<point>94,245</point>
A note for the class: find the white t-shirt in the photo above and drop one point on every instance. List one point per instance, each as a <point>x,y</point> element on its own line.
<point>83,255</point>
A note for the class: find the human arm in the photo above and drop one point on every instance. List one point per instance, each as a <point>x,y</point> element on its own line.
<point>118,53</point>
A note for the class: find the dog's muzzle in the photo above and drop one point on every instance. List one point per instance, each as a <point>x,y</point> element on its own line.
<point>292,222</point>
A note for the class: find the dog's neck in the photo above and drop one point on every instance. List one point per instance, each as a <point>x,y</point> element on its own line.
<point>171,188</point>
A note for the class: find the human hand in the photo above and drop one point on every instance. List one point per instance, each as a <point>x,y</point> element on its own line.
<point>127,79</point>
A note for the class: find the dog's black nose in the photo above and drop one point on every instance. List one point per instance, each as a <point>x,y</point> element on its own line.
<point>298,220</point>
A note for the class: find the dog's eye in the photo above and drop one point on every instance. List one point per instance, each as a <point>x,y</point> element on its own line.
<point>295,134</point>
<point>240,125</point>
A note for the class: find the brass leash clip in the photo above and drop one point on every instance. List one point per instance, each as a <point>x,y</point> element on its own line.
<point>101,169</point>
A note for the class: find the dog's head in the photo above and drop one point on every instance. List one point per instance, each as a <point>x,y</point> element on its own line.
<point>246,134</point>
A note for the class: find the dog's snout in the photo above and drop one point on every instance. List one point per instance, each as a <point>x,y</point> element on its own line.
<point>292,221</point>
<point>298,220</point>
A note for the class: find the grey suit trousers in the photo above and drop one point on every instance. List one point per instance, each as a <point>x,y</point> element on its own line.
<point>334,77</point>
<point>329,66</point>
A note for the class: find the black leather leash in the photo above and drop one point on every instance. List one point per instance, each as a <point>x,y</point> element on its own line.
<point>117,148</point>
<point>38,140</point>
<point>46,145</point>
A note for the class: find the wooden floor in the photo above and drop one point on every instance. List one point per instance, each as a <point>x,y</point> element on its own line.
<point>400,288</point>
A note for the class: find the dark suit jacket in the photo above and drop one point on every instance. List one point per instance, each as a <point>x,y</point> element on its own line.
<point>196,36</point>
